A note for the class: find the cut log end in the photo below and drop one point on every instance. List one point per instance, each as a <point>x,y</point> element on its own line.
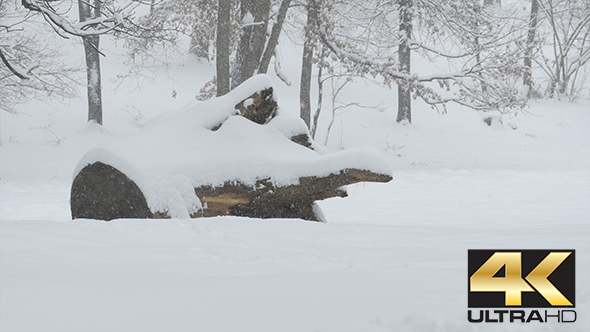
<point>101,191</point>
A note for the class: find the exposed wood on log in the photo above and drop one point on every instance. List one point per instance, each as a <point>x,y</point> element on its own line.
<point>302,139</point>
<point>265,200</point>
<point>259,107</point>
<point>102,192</point>
<point>217,201</point>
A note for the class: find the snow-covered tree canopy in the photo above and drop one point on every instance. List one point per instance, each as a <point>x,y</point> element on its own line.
<point>28,68</point>
<point>376,38</point>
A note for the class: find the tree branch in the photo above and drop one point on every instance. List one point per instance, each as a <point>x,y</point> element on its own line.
<point>12,69</point>
<point>99,25</point>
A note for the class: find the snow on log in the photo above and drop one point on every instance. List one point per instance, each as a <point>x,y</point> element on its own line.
<point>234,155</point>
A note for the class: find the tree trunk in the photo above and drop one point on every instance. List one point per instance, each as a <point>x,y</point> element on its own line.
<point>252,41</point>
<point>274,37</point>
<point>91,44</point>
<point>404,86</point>
<point>222,45</point>
<point>563,86</point>
<point>478,48</point>
<point>316,116</point>
<point>530,44</point>
<point>550,92</point>
<point>557,81</point>
<point>306,68</point>
<point>152,6</point>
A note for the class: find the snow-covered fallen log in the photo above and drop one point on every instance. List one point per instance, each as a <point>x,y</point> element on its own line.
<point>233,155</point>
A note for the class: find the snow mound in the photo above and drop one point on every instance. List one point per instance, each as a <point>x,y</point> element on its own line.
<point>178,151</point>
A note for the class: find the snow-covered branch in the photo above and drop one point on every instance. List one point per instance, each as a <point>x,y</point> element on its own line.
<point>96,26</point>
<point>31,70</point>
<point>420,45</point>
<point>449,76</point>
<point>16,70</point>
<point>465,82</point>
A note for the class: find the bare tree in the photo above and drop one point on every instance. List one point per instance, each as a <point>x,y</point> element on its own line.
<point>368,50</point>
<point>249,30</point>
<point>273,39</point>
<point>157,37</point>
<point>29,69</point>
<point>203,33</point>
<point>404,88</point>
<point>254,17</point>
<point>306,68</point>
<point>96,18</point>
<point>569,26</point>
<point>527,79</point>
<point>320,81</point>
<point>111,21</point>
<point>90,12</point>
<point>223,47</point>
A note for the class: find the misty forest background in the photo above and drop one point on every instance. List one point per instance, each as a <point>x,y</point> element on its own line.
<point>485,55</point>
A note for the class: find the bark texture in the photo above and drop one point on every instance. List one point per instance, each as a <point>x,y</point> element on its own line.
<point>273,40</point>
<point>252,40</point>
<point>222,44</point>
<point>102,192</point>
<point>306,68</point>
<point>404,90</point>
<point>92,55</point>
<point>530,44</point>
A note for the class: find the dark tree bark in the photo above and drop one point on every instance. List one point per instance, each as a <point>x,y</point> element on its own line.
<point>274,37</point>
<point>102,192</point>
<point>316,116</point>
<point>306,68</point>
<point>404,86</point>
<point>478,48</point>
<point>222,44</point>
<point>530,44</point>
<point>252,41</point>
<point>90,11</point>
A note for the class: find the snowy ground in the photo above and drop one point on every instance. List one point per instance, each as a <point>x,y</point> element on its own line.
<point>393,257</point>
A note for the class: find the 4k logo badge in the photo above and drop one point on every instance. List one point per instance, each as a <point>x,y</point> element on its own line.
<point>521,278</point>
